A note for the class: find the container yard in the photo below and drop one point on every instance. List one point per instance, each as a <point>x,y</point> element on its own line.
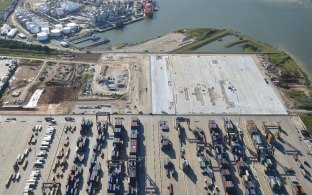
<point>105,153</point>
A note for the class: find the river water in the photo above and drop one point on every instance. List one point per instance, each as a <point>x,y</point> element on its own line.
<point>285,24</point>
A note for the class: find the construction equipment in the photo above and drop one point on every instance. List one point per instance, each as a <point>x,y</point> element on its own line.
<point>183,119</point>
<point>165,143</point>
<point>199,134</point>
<point>276,185</point>
<point>296,188</point>
<point>184,165</point>
<point>271,132</point>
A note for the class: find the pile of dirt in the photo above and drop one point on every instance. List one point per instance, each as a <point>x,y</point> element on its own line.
<point>55,95</point>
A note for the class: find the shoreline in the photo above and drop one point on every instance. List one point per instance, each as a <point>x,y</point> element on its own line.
<point>188,40</point>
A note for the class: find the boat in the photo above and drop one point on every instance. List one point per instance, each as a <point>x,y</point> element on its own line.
<point>119,24</point>
<point>95,37</point>
<point>148,8</point>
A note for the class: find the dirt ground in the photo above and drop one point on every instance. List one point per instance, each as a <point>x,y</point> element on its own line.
<point>118,75</point>
<point>92,57</point>
<point>166,43</point>
<point>56,95</point>
<point>24,76</point>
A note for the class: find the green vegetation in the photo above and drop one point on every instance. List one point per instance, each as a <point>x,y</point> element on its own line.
<point>1,22</point>
<point>200,33</point>
<point>4,4</point>
<point>20,49</point>
<point>284,61</point>
<point>202,36</point>
<point>85,76</point>
<point>301,100</point>
<point>83,88</point>
<point>120,45</point>
<point>249,48</point>
<point>116,96</point>
<point>307,120</point>
<point>25,61</point>
<point>234,43</point>
<point>29,62</point>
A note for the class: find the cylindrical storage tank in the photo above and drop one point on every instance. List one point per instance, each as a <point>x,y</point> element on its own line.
<point>36,20</point>
<point>45,29</point>
<point>42,36</point>
<point>53,13</point>
<point>24,21</point>
<point>20,18</point>
<point>66,30</point>
<point>55,32</point>
<point>59,26</point>
<point>44,24</point>
<point>45,10</point>
<point>28,25</point>
<point>72,26</point>
<point>59,11</point>
<point>34,29</point>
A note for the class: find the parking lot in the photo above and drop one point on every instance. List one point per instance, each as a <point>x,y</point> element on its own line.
<point>154,179</point>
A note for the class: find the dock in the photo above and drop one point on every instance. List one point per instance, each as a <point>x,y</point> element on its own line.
<point>94,44</point>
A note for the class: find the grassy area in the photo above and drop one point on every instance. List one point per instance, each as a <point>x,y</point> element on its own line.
<point>22,54</point>
<point>283,61</point>
<point>300,99</point>
<point>85,76</point>
<point>235,43</point>
<point>4,4</point>
<point>202,37</point>
<point>262,47</point>
<point>20,49</point>
<point>1,23</point>
<point>83,88</point>
<point>307,120</point>
<point>120,45</point>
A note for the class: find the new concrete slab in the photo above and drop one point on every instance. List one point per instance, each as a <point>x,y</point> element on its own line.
<point>211,84</point>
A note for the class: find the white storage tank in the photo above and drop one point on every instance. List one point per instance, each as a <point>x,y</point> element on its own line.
<point>24,21</point>
<point>20,18</point>
<point>53,13</point>
<point>28,25</point>
<point>42,36</point>
<point>72,26</point>
<point>59,26</point>
<point>17,14</point>
<point>34,29</point>
<point>59,11</point>
<point>45,29</point>
<point>45,10</point>
<point>56,32</point>
<point>36,20</point>
<point>44,24</point>
<point>66,30</point>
